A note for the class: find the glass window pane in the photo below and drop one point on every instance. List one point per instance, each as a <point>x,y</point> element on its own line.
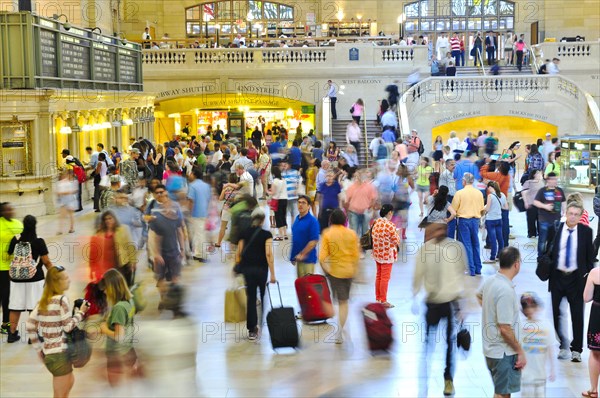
<point>240,10</point>
<point>224,10</point>
<point>255,9</point>
<point>427,24</point>
<point>193,28</point>
<point>427,8</point>
<point>193,13</point>
<point>474,24</point>
<point>442,25</point>
<point>474,7</point>
<point>459,7</point>
<point>270,11</point>
<point>510,23</point>
<point>208,11</point>
<point>507,8</point>
<point>490,7</point>
<point>411,10</point>
<point>459,24</point>
<point>286,12</point>
<point>411,25</point>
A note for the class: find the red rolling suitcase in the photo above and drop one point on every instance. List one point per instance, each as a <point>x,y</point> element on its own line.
<point>314,297</point>
<point>379,327</point>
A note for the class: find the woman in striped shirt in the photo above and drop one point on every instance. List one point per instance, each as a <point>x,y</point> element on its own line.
<point>51,319</point>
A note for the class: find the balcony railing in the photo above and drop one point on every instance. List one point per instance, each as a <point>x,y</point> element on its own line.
<point>525,90</point>
<point>366,56</point>
<point>577,55</point>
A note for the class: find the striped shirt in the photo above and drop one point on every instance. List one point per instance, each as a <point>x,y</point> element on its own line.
<point>455,44</point>
<point>292,178</point>
<point>52,325</point>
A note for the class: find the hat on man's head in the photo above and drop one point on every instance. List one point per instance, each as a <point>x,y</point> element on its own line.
<point>135,150</point>
<point>114,179</point>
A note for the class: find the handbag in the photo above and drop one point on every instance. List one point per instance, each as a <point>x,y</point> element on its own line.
<point>545,261</point>
<point>519,202</point>
<point>352,109</point>
<point>425,222</point>
<point>273,204</point>
<point>235,302</point>
<point>463,338</point>
<point>78,348</point>
<point>366,241</point>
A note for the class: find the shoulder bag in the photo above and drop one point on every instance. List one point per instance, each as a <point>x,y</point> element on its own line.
<point>425,222</point>
<point>78,348</point>
<point>238,267</point>
<point>366,241</point>
<point>545,261</point>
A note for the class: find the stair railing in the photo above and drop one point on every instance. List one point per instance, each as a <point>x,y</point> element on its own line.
<point>480,56</point>
<point>326,121</point>
<point>364,115</point>
<point>532,59</point>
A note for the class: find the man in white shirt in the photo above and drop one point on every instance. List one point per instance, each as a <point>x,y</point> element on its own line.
<point>547,148</point>
<point>146,35</point>
<point>217,155</point>
<point>246,183</point>
<point>552,67</point>
<point>441,45</point>
<point>242,161</point>
<point>353,135</point>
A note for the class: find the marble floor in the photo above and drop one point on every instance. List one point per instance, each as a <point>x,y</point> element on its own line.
<point>228,365</point>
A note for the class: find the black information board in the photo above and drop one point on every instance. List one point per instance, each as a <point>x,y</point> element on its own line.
<point>13,144</point>
<point>104,65</point>
<point>48,47</point>
<point>75,61</point>
<point>128,69</point>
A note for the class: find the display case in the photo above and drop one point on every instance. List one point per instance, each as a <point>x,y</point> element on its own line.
<point>580,160</point>
<point>340,29</point>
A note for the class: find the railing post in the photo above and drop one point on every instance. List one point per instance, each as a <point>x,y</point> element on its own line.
<point>326,121</point>
<point>364,115</point>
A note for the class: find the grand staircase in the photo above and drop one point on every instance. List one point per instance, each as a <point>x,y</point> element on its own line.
<point>504,70</point>
<point>338,135</point>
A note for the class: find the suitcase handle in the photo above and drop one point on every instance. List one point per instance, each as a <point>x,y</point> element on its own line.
<point>279,290</point>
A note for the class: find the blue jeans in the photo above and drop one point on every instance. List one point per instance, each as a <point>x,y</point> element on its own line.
<point>505,227</point>
<point>543,231</point>
<point>468,236</point>
<point>494,230</point>
<point>358,223</point>
<point>452,224</point>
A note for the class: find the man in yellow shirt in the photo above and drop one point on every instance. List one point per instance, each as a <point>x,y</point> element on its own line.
<point>9,227</point>
<point>468,203</point>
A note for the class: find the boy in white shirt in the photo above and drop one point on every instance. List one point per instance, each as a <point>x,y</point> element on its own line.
<point>537,337</point>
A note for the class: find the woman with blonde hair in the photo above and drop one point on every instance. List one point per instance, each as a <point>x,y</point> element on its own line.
<point>158,161</point>
<point>264,168</point>
<point>118,328</point>
<point>51,319</point>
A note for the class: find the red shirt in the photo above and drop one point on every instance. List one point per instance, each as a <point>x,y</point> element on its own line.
<point>252,154</point>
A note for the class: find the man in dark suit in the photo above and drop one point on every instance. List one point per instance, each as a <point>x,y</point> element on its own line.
<point>490,48</point>
<point>573,260</point>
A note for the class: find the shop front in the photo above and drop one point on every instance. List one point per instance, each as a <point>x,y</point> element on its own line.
<point>580,160</point>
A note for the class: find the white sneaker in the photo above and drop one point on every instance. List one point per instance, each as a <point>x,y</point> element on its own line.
<point>575,356</point>
<point>362,256</point>
<point>564,354</point>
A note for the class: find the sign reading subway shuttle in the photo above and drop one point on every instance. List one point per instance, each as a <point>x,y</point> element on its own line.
<point>84,56</point>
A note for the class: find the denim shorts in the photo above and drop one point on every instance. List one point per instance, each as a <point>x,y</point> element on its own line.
<point>507,379</point>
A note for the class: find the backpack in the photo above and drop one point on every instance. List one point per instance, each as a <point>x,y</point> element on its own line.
<point>129,171</point>
<point>22,266</point>
<point>421,147</point>
<point>382,152</point>
<point>490,145</point>
<point>597,205</point>
<point>79,173</point>
<point>241,221</point>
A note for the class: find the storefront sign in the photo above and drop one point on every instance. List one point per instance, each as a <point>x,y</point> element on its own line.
<point>208,88</point>
<point>519,113</point>
<point>461,115</point>
<point>308,109</point>
<point>353,54</point>
<point>362,81</point>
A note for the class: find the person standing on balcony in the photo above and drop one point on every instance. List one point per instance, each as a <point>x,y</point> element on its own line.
<point>520,47</point>
<point>146,38</point>
<point>490,48</point>
<point>477,48</point>
<point>455,48</point>
<point>441,45</point>
<point>332,94</point>
<point>508,48</point>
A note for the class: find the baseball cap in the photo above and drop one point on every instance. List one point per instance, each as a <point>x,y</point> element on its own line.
<point>135,150</point>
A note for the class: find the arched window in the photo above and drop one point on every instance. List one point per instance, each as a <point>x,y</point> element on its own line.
<point>431,16</point>
<point>247,17</point>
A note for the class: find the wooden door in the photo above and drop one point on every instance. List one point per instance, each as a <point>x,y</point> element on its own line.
<point>534,33</point>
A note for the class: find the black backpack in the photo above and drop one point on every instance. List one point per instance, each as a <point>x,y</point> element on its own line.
<point>421,147</point>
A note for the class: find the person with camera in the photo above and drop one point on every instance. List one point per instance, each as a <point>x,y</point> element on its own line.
<point>51,319</point>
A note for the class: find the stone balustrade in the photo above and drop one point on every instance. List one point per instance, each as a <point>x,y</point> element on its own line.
<point>374,59</point>
<point>579,54</point>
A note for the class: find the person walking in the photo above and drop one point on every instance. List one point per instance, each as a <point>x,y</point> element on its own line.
<point>25,294</point>
<point>360,198</point>
<point>592,293</point>
<point>468,203</point>
<point>385,252</point>
<point>496,202</point>
<point>256,261</point>
<point>573,259</point>
<point>551,203</point>
<point>280,196</point>
<point>440,209</point>
<point>50,320</point>
<point>339,256</point>
<point>443,283</point>
<point>329,198</point>
<point>199,197</point>
<point>9,227</point>
<point>504,355</point>
<point>357,110</point>
<point>305,238</point>
<point>66,190</point>
<point>530,188</point>
<point>121,358</point>
<point>354,135</point>
<point>424,170</point>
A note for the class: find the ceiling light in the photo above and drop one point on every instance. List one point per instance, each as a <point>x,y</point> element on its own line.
<point>65,130</point>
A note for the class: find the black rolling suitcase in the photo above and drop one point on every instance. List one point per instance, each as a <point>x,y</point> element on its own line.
<point>282,324</point>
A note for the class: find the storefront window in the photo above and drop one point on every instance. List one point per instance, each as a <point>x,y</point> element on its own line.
<point>581,160</point>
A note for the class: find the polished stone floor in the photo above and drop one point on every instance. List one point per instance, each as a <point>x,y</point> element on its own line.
<point>228,365</point>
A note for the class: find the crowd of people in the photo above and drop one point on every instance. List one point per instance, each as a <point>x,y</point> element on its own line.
<point>180,200</point>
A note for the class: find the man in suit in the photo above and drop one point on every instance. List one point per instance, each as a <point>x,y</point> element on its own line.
<point>573,260</point>
<point>490,48</point>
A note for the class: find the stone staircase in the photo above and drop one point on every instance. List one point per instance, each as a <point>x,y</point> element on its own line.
<point>504,70</point>
<point>338,135</point>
